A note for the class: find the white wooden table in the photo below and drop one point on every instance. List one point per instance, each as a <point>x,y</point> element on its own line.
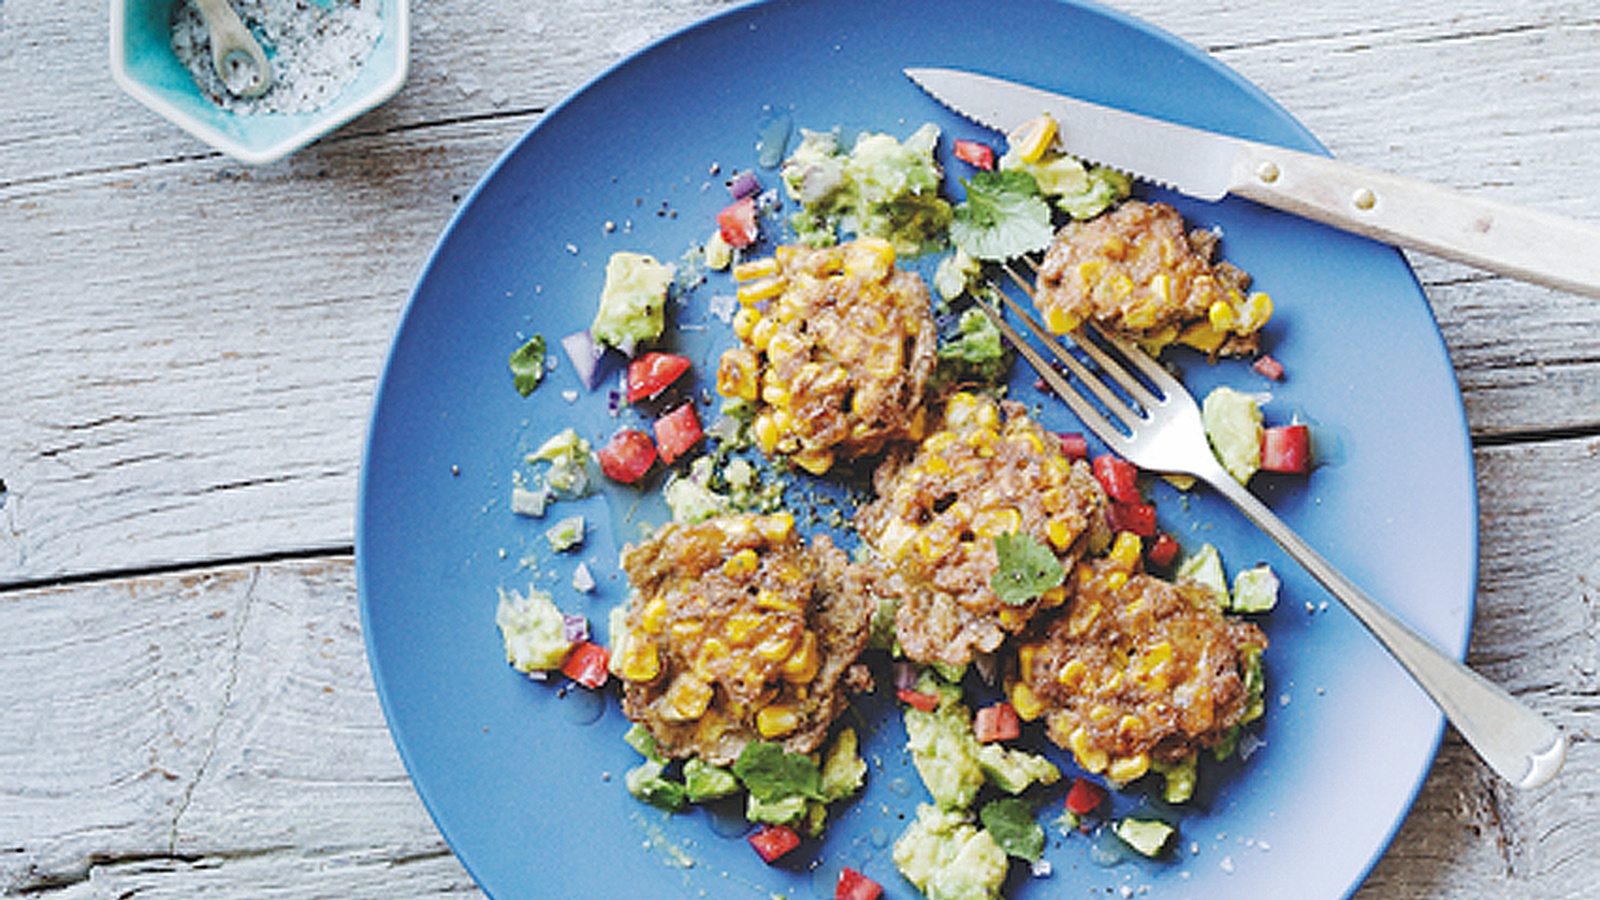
<point>185,706</point>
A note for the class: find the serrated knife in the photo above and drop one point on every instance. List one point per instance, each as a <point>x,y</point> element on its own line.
<point>1522,243</point>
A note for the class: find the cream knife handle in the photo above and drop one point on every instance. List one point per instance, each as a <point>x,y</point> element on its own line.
<point>1523,243</point>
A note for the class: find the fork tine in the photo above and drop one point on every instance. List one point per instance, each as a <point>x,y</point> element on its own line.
<point>1108,364</point>
<point>1113,435</point>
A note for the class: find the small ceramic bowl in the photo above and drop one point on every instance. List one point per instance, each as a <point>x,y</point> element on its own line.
<point>146,66</point>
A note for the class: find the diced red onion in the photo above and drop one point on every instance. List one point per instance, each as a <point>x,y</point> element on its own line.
<point>906,675</point>
<point>575,628</point>
<point>585,354</point>
<point>744,184</point>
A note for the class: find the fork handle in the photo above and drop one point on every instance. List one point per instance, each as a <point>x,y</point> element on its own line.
<point>1518,743</point>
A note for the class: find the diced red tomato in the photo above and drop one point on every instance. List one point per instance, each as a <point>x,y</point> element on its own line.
<point>653,373</point>
<point>1139,518</point>
<point>586,664</point>
<point>1163,551</point>
<point>1286,448</point>
<point>773,841</point>
<point>855,886</point>
<point>1267,367</point>
<point>737,223</point>
<point>1074,445</point>
<point>996,722</point>
<point>976,154</point>
<point>1119,477</point>
<point>1085,797</point>
<point>677,432</point>
<point>628,456</point>
<point>918,699</point>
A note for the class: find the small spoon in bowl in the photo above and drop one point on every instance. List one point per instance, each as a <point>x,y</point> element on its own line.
<point>237,56</point>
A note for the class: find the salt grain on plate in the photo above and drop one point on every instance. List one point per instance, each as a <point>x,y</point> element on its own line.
<point>316,49</point>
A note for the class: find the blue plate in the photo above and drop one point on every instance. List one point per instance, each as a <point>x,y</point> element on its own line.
<point>525,779</point>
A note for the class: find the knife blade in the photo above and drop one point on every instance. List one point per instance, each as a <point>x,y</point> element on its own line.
<point>1527,244</point>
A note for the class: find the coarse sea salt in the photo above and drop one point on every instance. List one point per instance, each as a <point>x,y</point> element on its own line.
<point>316,49</point>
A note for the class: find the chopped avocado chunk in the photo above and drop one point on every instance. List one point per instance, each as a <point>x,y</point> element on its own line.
<point>1255,590</point>
<point>843,769</point>
<point>1014,771</point>
<point>976,352</point>
<point>533,630</point>
<point>1204,567</point>
<point>943,748</point>
<point>1010,820</point>
<point>881,188</point>
<point>565,534</point>
<point>1233,425</point>
<point>782,811</point>
<point>648,782</point>
<point>568,456</point>
<point>1148,836</point>
<point>633,301</point>
<point>703,781</point>
<point>949,858</point>
<point>1180,776</point>
<point>639,738</point>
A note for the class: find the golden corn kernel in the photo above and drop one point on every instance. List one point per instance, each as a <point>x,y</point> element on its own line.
<point>776,647</point>
<point>1128,768</point>
<point>776,721</point>
<point>736,374</point>
<point>686,629</point>
<point>765,432</point>
<point>1130,727</point>
<point>1072,673</point>
<point>785,345</point>
<point>744,322</point>
<point>768,599</point>
<point>761,330</point>
<point>1100,712</point>
<point>1060,532</point>
<point>1059,321</point>
<point>640,661</point>
<point>991,523</point>
<point>654,615</point>
<point>938,442</point>
<point>1033,138</point>
<point>1012,618</point>
<point>785,255</point>
<point>935,544</point>
<point>960,409</point>
<point>1028,439</point>
<point>713,653</point>
<point>739,626</point>
<point>754,292</point>
<point>1053,597</point>
<point>1202,337</point>
<point>1222,316</point>
<point>777,527</point>
<point>817,462</point>
<point>1161,287</point>
<point>869,259</point>
<point>803,666</point>
<point>743,563</point>
<point>1025,702</point>
<point>687,699</point>
<point>1126,551</point>
<point>1025,657</point>
<point>1091,758</point>
<point>895,539</point>
<point>774,394</point>
<point>1090,271</point>
<point>1254,313</point>
<point>936,467</point>
<point>983,440</point>
<point>756,268</point>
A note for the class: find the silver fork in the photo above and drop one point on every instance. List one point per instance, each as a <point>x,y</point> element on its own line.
<point>1155,423</point>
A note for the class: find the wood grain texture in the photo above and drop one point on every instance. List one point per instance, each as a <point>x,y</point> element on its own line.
<point>210,728</point>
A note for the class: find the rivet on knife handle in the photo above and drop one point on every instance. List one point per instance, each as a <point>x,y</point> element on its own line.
<point>1512,240</point>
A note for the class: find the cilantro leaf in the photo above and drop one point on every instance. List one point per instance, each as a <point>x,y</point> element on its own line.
<point>1010,822</point>
<point>771,773</point>
<point>1002,217</point>
<point>527,365</point>
<point>1026,569</point>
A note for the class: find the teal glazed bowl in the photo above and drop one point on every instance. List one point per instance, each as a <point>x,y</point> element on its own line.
<point>145,65</point>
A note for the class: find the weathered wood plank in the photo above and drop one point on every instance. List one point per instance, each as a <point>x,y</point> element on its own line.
<point>218,730</point>
<point>225,420</point>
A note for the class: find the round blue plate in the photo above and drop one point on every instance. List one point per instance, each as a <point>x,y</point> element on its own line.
<point>525,779</point>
